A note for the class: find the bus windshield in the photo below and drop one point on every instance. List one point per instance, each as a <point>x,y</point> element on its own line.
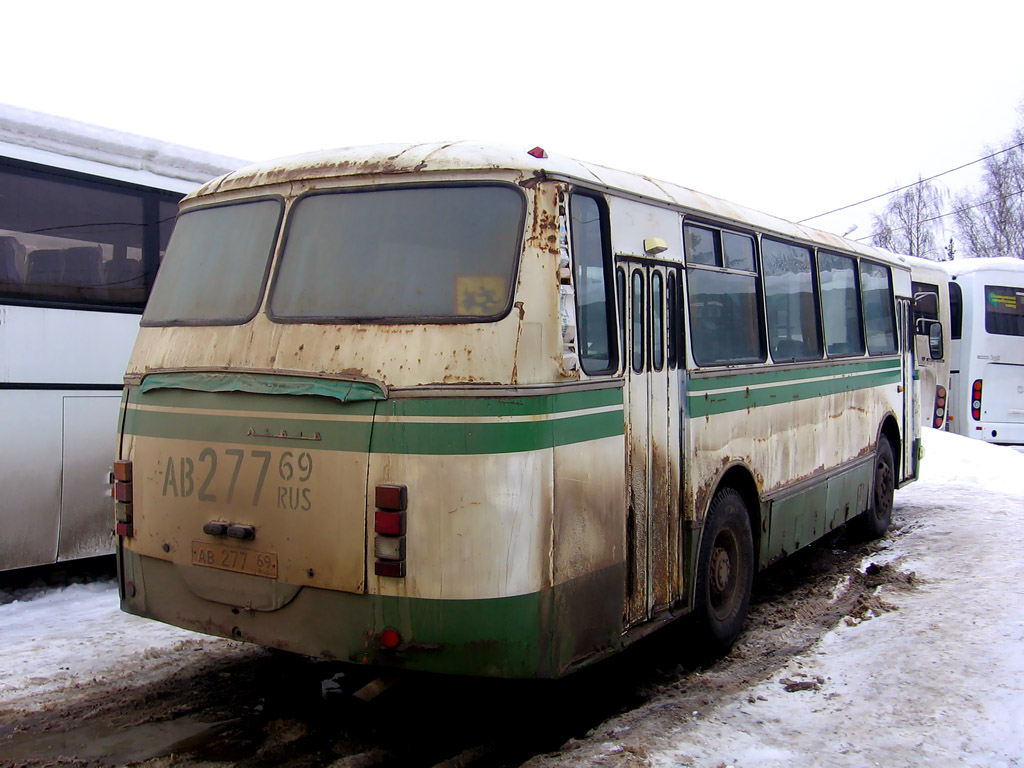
<point>441,253</point>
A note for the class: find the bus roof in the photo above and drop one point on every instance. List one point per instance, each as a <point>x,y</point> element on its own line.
<point>61,143</point>
<point>441,157</point>
<point>966,266</point>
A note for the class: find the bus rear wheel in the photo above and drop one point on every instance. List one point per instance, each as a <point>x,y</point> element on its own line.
<point>875,521</point>
<point>725,571</point>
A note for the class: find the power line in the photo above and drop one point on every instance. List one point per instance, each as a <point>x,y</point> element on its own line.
<point>919,181</point>
<point>951,213</point>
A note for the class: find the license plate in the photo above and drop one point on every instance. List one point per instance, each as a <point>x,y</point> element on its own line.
<point>234,559</point>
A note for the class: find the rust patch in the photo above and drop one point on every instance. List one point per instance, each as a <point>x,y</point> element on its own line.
<point>533,180</point>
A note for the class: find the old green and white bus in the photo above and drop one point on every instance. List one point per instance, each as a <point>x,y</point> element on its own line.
<point>486,411</point>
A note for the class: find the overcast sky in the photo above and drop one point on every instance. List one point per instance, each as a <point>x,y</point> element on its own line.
<point>793,108</point>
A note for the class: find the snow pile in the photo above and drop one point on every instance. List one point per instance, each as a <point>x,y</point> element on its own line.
<point>940,681</point>
<point>58,640</point>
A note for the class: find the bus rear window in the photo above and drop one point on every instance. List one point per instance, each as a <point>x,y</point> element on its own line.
<point>1004,310</point>
<point>216,265</point>
<point>447,254</point>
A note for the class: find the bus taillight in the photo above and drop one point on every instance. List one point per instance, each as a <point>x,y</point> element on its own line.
<point>389,527</point>
<point>976,400</point>
<point>939,415</point>
<point>123,498</point>
<point>390,638</point>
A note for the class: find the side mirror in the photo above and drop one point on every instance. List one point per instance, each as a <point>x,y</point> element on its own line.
<point>935,348</point>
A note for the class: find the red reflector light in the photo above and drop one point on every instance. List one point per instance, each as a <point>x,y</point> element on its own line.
<point>392,568</point>
<point>123,491</point>
<point>125,529</point>
<point>390,638</point>
<point>123,471</point>
<point>391,497</point>
<point>538,152</point>
<point>389,523</point>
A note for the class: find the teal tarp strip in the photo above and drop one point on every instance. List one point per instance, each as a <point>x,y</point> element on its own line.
<point>265,384</point>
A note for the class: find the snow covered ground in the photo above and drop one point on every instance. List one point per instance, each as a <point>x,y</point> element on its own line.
<point>937,681</point>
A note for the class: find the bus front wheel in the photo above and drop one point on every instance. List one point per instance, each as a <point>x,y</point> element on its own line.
<point>725,570</point>
<point>875,521</point>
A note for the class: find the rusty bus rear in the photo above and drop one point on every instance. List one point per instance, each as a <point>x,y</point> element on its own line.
<point>448,407</point>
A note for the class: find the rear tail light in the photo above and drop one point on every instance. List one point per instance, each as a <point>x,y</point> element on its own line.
<point>976,400</point>
<point>392,570</point>
<point>123,495</point>
<point>391,497</point>
<point>390,638</point>
<point>939,415</point>
<point>389,527</point>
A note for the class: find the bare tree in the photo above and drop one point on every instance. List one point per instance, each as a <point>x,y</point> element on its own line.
<point>909,222</point>
<point>991,222</point>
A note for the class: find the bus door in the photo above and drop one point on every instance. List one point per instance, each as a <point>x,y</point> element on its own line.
<point>910,428</point>
<point>649,308</point>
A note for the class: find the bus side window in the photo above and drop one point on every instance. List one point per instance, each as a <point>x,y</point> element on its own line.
<point>672,318</point>
<point>724,297</point>
<point>638,317</point>
<point>790,301</point>
<point>657,321</point>
<point>956,311</point>
<point>879,312</point>
<point>840,305</point>
<point>593,291</point>
<point>620,296</point>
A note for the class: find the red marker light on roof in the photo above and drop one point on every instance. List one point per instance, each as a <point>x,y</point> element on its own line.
<point>538,152</point>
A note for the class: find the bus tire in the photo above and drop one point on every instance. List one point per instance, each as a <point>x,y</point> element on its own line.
<point>725,571</point>
<point>876,519</point>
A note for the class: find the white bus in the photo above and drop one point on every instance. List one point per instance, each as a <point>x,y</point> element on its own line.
<point>85,215</point>
<point>481,410</point>
<point>987,324</point>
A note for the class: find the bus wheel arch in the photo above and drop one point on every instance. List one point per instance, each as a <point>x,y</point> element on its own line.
<point>875,520</point>
<point>890,430</point>
<point>726,560</point>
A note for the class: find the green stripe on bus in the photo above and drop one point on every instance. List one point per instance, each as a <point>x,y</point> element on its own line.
<point>774,376</point>
<point>527,405</point>
<point>711,402</point>
<point>249,430</point>
<point>440,438</point>
<point>409,437</point>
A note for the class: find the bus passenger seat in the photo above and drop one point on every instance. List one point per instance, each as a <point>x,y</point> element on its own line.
<point>82,267</point>
<point>8,266</point>
<point>122,272</point>
<point>44,267</point>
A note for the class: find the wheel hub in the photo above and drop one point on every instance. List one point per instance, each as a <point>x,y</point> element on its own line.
<point>721,570</point>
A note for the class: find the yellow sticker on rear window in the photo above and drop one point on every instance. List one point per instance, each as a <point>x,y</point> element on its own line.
<point>479,295</point>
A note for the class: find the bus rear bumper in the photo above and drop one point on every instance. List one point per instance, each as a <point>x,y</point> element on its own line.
<point>1001,433</point>
<point>541,634</point>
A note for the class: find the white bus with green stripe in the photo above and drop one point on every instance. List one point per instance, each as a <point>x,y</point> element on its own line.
<point>476,410</point>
